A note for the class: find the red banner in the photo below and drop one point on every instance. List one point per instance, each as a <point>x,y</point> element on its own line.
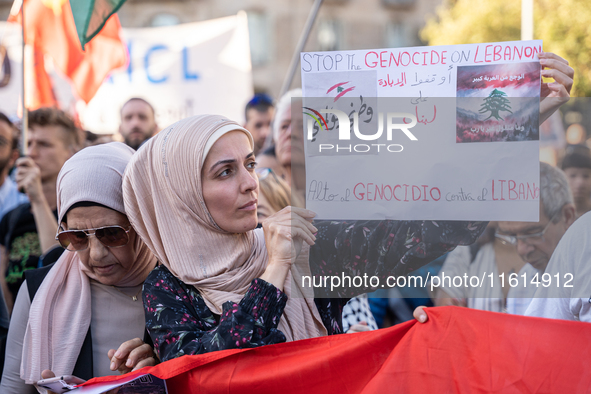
<point>457,350</point>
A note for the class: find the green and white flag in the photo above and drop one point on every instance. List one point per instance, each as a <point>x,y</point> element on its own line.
<point>91,15</point>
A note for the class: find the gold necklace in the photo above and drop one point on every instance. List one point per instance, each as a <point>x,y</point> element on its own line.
<point>134,297</point>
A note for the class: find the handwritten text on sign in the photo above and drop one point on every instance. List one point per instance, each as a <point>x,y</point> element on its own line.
<point>426,133</point>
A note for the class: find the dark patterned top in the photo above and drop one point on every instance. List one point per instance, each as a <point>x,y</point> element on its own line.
<point>179,321</point>
<point>18,234</point>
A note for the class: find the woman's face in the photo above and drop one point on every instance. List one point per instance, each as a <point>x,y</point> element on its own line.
<point>230,185</point>
<point>108,265</point>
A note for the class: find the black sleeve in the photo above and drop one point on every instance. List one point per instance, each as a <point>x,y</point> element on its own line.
<point>179,322</point>
<point>4,228</point>
<point>383,248</point>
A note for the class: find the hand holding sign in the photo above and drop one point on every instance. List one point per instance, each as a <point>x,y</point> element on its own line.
<point>554,94</point>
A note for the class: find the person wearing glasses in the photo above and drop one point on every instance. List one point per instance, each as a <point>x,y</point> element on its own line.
<point>10,197</point>
<point>569,298</point>
<point>79,316</point>
<point>27,231</point>
<point>534,242</point>
<point>488,254</point>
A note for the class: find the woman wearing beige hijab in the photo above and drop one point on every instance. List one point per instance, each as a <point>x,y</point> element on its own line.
<point>87,304</point>
<point>191,192</point>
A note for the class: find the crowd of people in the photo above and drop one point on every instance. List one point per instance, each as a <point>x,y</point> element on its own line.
<point>187,240</point>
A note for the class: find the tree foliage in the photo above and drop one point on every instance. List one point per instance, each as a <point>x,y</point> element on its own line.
<point>564,26</point>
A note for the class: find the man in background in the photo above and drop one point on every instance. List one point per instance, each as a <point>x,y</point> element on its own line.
<point>28,231</point>
<point>577,167</point>
<point>138,122</point>
<point>258,114</point>
<point>535,242</point>
<point>520,249</point>
<point>10,197</point>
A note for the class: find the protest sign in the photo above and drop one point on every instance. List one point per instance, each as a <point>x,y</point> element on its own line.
<point>423,133</point>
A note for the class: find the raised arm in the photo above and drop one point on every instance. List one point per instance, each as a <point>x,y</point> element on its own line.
<point>384,248</point>
<point>28,177</point>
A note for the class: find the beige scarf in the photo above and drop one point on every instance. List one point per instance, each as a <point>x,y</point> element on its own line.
<point>60,312</point>
<point>164,201</point>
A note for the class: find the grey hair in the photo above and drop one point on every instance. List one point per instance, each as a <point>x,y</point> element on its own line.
<point>283,103</point>
<point>554,190</point>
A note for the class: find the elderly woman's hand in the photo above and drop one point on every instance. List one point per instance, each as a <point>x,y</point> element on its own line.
<point>284,233</point>
<point>47,374</point>
<point>131,355</point>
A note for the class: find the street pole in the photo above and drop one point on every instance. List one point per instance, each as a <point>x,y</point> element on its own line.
<point>25,121</point>
<point>527,20</point>
<point>295,60</point>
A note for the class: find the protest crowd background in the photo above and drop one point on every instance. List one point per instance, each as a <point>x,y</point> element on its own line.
<point>108,266</point>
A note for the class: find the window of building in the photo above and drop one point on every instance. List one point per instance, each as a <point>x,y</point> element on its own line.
<point>399,34</point>
<point>259,32</point>
<point>398,3</point>
<point>330,35</point>
<point>164,19</point>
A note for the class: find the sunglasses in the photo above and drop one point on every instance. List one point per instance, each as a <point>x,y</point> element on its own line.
<point>77,240</point>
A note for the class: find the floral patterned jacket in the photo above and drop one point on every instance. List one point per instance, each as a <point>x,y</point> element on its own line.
<point>179,322</point>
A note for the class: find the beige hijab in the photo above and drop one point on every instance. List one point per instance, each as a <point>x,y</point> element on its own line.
<point>164,201</point>
<point>60,312</point>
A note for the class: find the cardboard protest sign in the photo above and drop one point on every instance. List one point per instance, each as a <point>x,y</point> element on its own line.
<point>423,133</point>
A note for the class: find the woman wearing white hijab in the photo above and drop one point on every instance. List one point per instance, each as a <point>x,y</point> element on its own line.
<point>87,304</point>
<point>191,194</point>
